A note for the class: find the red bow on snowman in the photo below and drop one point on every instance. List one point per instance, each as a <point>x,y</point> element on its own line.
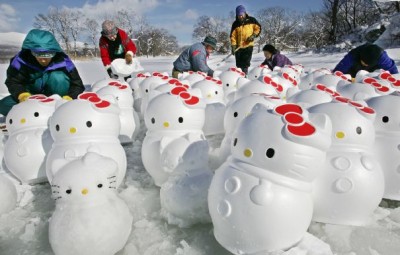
<point>295,122</point>
<point>185,95</point>
<point>95,99</point>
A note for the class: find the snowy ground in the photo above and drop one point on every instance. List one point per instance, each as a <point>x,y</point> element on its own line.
<point>25,229</point>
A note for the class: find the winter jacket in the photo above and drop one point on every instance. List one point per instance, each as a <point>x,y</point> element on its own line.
<point>242,30</point>
<point>351,63</point>
<point>110,50</point>
<point>193,58</point>
<point>25,74</point>
<point>277,60</point>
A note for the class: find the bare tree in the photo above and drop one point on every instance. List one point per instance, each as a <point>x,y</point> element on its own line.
<point>93,29</point>
<point>76,26</point>
<point>216,27</point>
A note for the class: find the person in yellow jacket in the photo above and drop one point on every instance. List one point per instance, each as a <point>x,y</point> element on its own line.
<point>244,30</point>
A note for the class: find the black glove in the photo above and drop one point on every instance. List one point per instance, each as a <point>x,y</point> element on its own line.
<point>251,38</point>
<point>111,74</point>
<point>233,49</point>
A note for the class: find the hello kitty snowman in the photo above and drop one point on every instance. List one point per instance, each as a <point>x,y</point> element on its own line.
<point>351,185</point>
<point>29,139</point>
<point>89,217</point>
<point>87,124</point>
<point>260,199</point>
<point>170,117</point>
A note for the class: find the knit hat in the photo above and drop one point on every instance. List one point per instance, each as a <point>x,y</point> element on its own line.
<point>209,40</point>
<point>108,28</point>
<point>370,54</point>
<point>271,49</point>
<point>240,10</point>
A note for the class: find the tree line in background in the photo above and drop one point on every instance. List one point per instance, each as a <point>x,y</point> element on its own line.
<point>286,29</point>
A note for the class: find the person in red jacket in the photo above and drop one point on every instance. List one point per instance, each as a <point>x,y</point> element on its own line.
<point>115,43</point>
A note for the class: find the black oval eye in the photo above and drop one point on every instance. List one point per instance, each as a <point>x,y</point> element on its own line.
<point>255,76</point>
<point>235,114</point>
<point>10,121</point>
<point>270,153</point>
<point>57,127</point>
<point>153,120</point>
<point>147,91</point>
<point>235,142</point>
<point>68,191</point>
<point>100,185</point>
<point>385,119</point>
<point>227,84</point>
<point>216,92</point>
<point>180,119</point>
<point>36,114</point>
<point>359,130</point>
<point>88,124</point>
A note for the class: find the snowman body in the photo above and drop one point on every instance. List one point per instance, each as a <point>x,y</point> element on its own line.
<point>87,124</point>
<point>128,117</point>
<point>213,95</point>
<point>89,217</point>
<point>229,81</point>
<point>258,71</point>
<point>260,199</point>
<point>351,185</point>
<point>29,141</point>
<point>170,118</point>
<point>184,195</point>
<point>387,141</point>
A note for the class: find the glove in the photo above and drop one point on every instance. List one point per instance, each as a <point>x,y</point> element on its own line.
<point>233,49</point>
<point>111,74</point>
<point>24,96</point>
<point>66,97</point>
<point>251,38</point>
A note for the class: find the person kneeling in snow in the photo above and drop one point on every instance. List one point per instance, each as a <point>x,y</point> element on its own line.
<point>41,67</point>
<point>274,58</point>
<point>115,43</point>
<point>195,57</point>
<point>369,57</point>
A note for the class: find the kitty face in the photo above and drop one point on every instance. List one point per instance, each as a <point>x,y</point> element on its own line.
<point>33,113</point>
<point>121,92</point>
<point>169,112</point>
<point>387,117</point>
<point>211,90</point>
<point>85,180</point>
<point>85,118</point>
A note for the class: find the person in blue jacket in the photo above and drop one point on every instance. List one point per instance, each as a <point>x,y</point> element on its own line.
<point>41,67</point>
<point>195,57</point>
<point>369,57</point>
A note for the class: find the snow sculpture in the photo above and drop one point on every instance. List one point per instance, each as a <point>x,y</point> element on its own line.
<point>369,87</point>
<point>89,217</point>
<point>351,185</point>
<point>192,77</point>
<point>260,200</point>
<point>332,80</point>
<point>307,80</point>
<point>8,195</point>
<point>29,140</point>
<point>184,195</point>
<point>170,116</point>
<point>265,86</point>
<point>87,124</point>
<point>258,71</point>
<point>229,80</point>
<point>104,83</point>
<point>148,85</point>
<point>135,86</point>
<point>130,122</point>
<point>386,147</point>
<point>213,95</point>
<point>317,94</point>
<point>122,69</point>
<point>236,112</point>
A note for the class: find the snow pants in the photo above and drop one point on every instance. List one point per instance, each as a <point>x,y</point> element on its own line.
<point>243,58</point>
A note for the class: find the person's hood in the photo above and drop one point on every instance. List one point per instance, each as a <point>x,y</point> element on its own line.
<point>41,40</point>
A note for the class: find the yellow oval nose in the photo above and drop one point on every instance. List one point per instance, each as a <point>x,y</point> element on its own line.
<point>23,120</point>
<point>208,95</point>
<point>84,191</point>
<point>72,130</point>
<point>248,153</point>
<point>340,135</point>
<point>166,124</point>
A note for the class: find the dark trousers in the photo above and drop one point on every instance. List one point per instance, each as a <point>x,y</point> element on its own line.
<point>243,58</point>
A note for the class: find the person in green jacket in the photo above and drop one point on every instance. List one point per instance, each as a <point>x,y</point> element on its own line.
<point>41,67</point>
